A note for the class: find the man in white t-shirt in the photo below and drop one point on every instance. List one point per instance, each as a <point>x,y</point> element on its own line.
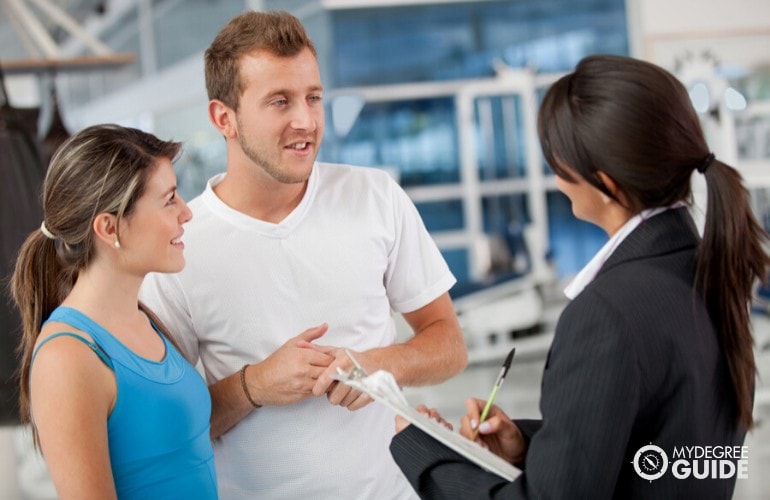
<point>280,244</point>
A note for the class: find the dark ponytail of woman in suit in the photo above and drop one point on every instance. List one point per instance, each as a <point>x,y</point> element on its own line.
<point>657,144</point>
<point>730,259</point>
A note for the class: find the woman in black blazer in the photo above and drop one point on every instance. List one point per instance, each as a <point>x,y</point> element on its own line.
<point>654,352</point>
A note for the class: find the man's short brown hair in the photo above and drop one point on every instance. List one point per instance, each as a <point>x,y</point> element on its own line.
<point>277,32</point>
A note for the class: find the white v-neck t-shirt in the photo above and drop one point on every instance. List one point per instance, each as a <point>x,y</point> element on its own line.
<point>352,252</point>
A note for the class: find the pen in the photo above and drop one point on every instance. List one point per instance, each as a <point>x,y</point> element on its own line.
<point>498,383</point>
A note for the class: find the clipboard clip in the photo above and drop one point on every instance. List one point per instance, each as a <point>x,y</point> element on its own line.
<point>357,372</point>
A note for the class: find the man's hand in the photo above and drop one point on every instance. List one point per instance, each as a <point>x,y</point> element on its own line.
<point>336,392</point>
<point>289,374</point>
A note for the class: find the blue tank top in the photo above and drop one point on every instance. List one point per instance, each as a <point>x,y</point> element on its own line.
<point>159,428</point>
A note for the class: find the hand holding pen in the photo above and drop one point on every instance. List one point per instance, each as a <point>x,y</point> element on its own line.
<point>499,434</point>
<point>498,384</point>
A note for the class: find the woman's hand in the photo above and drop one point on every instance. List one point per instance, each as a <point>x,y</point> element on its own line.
<point>402,423</point>
<point>498,433</point>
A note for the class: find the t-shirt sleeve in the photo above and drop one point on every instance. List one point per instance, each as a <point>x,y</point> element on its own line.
<point>417,273</point>
<point>163,295</point>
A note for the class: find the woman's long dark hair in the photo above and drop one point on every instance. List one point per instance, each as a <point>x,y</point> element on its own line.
<point>102,168</point>
<point>634,121</point>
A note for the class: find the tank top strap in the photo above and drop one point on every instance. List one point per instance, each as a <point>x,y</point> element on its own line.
<point>94,347</point>
<point>170,368</point>
<point>104,339</point>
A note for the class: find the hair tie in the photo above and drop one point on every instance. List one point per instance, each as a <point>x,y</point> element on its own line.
<point>48,234</point>
<point>706,163</point>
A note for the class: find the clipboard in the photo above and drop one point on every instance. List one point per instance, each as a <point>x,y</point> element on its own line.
<point>382,387</point>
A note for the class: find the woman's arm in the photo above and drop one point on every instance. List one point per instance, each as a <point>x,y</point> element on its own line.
<point>437,472</point>
<point>72,395</point>
<point>589,402</point>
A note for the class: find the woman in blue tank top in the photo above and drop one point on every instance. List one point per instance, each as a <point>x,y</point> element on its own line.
<point>116,410</point>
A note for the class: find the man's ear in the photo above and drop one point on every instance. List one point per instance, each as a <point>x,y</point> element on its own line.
<point>105,228</point>
<point>222,117</point>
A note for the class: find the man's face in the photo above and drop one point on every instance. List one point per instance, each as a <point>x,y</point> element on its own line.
<point>280,115</point>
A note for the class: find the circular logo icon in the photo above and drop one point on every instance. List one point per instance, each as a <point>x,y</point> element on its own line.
<point>650,462</point>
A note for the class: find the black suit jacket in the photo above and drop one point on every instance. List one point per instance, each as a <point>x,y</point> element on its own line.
<point>635,360</point>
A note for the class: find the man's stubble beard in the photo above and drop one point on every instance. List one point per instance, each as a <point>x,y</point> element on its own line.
<point>270,166</point>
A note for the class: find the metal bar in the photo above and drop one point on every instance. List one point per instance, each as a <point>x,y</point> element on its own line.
<point>18,27</point>
<point>147,38</point>
<point>35,29</point>
<point>73,28</point>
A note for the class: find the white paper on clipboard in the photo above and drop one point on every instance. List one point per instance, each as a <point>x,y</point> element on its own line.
<point>382,387</point>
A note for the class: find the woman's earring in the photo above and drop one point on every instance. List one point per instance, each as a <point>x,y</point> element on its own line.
<point>117,244</point>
